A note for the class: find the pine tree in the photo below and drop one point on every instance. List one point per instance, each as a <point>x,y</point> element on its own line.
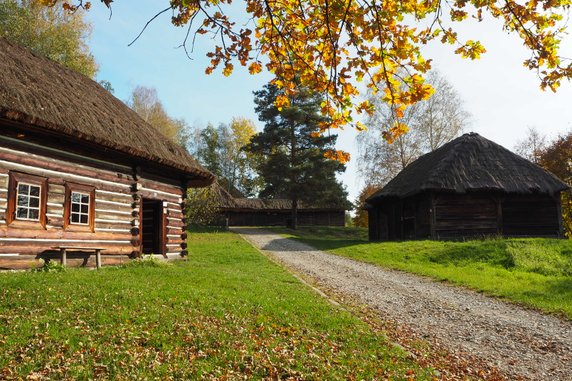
<point>292,152</point>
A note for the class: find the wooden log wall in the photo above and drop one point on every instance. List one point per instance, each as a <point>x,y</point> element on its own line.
<point>22,245</point>
<point>534,215</point>
<point>465,215</point>
<point>380,224</point>
<point>392,211</point>
<point>374,218</point>
<point>118,192</point>
<point>321,218</point>
<point>257,218</point>
<point>401,219</point>
<point>454,216</point>
<point>281,217</point>
<point>423,216</point>
<point>408,218</point>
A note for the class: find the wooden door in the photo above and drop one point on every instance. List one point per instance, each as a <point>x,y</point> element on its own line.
<point>153,230</point>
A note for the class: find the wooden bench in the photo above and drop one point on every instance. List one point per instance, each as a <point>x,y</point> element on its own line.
<point>90,249</point>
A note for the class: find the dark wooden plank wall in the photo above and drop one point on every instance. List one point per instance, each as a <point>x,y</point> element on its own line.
<point>454,216</point>
<point>535,215</point>
<point>393,213</point>
<point>374,231</point>
<point>280,218</point>
<point>423,207</point>
<point>465,215</point>
<point>382,224</point>
<point>408,220</point>
<point>117,204</point>
<point>262,218</point>
<point>321,218</point>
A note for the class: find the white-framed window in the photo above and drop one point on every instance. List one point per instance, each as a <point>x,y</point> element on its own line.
<point>79,207</point>
<point>28,201</point>
<point>79,213</point>
<point>27,198</point>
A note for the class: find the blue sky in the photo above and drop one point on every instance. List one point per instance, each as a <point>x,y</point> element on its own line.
<point>501,95</point>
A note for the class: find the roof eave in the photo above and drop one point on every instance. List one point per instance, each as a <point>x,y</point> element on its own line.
<point>33,122</point>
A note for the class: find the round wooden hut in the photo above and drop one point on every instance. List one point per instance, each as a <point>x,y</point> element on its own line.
<point>469,187</point>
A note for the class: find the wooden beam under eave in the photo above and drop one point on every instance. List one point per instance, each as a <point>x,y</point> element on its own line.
<point>199,182</point>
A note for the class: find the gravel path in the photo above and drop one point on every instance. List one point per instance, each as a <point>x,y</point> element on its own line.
<point>519,342</point>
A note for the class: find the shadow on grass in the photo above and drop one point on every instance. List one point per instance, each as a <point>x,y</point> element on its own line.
<point>562,287</point>
<point>206,229</point>
<point>283,244</point>
<point>320,238</point>
<point>327,238</point>
<point>493,252</point>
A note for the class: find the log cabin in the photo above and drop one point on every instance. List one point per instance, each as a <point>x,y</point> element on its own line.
<point>469,187</point>
<point>81,172</point>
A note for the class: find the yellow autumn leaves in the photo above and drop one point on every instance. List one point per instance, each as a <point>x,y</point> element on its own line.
<point>331,46</point>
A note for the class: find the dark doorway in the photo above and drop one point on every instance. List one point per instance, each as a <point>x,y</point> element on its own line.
<point>152,227</point>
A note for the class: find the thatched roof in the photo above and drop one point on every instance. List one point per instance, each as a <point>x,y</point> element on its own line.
<point>227,202</point>
<point>45,95</point>
<point>467,164</point>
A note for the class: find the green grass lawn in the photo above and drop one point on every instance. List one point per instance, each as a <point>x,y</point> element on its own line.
<point>534,272</point>
<point>226,313</point>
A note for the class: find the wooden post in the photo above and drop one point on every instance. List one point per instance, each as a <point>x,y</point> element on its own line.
<point>136,214</point>
<point>98,258</point>
<point>433,217</point>
<point>185,208</point>
<point>63,258</point>
<point>500,230</point>
<point>557,199</point>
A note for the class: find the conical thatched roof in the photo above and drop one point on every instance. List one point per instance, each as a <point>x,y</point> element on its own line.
<point>45,95</point>
<point>467,164</point>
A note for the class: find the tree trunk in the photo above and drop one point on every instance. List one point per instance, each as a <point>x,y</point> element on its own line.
<point>293,177</point>
<point>294,217</point>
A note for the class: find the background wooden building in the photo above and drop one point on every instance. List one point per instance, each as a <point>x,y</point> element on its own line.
<point>469,187</point>
<point>79,168</point>
<point>274,212</point>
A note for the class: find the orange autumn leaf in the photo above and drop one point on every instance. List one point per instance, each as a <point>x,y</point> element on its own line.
<point>228,68</point>
<point>341,156</point>
<point>255,68</point>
